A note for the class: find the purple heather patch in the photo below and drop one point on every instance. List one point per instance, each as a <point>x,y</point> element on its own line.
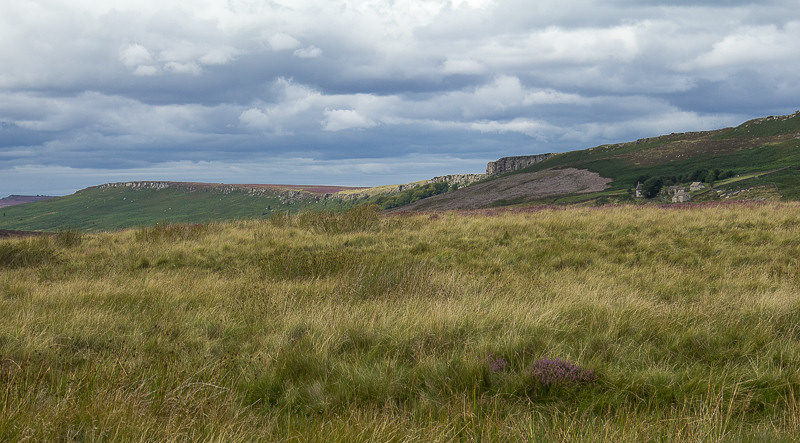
<point>556,371</point>
<point>496,364</point>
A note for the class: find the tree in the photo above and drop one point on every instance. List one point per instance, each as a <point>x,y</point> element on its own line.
<point>652,186</point>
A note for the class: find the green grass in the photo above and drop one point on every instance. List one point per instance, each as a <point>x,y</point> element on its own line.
<point>97,209</point>
<point>357,327</point>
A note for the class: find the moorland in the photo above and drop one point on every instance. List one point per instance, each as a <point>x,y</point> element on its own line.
<point>550,323</point>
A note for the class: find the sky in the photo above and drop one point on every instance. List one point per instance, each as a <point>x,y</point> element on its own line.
<point>372,92</point>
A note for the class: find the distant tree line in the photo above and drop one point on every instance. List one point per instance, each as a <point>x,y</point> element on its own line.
<point>411,195</point>
<point>651,185</point>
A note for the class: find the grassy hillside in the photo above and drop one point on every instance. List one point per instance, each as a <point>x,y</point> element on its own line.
<point>758,145</point>
<point>759,160</point>
<point>633,323</point>
<point>111,208</point>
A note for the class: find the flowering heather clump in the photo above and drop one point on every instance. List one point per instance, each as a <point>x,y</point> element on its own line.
<point>557,371</point>
<point>496,364</point>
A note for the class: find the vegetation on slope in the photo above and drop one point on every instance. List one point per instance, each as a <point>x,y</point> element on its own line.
<point>614,324</point>
<point>110,208</point>
<point>758,145</point>
<point>409,196</point>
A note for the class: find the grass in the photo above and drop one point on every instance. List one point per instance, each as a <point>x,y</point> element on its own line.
<point>105,209</point>
<point>669,324</point>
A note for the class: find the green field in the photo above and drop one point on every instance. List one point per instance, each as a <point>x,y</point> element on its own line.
<point>106,209</point>
<point>633,323</point>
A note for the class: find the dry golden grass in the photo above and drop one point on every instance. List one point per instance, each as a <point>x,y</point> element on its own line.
<point>355,327</point>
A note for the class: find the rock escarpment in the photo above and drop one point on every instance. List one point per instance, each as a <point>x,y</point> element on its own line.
<point>457,179</point>
<point>508,164</point>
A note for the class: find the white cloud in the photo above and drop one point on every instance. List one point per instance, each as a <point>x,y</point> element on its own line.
<point>135,55</point>
<point>254,118</point>
<point>463,66</point>
<point>295,105</point>
<point>532,128</point>
<point>752,45</point>
<point>309,52</point>
<point>218,56</point>
<point>183,68</point>
<point>341,119</point>
<point>146,71</point>
<point>282,42</point>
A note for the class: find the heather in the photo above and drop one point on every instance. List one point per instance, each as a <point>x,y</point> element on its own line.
<point>561,324</point>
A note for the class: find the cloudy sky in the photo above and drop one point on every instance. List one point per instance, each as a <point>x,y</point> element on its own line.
<point>367,92</point>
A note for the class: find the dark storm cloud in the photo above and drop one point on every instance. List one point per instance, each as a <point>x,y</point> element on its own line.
<point>367,92</point>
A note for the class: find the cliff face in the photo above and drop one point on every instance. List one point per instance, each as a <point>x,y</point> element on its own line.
<point>508,164</point>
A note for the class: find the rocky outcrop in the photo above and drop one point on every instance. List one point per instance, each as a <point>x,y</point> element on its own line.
<point>457,179</point>
<point>137,185</point>
<point>286,196</point>
<point>508,164</point>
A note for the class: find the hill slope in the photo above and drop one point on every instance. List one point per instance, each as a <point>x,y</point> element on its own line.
<point>763,154</point>
<point>133,204</point>
<point>514,187</point>
<point>123,205</point>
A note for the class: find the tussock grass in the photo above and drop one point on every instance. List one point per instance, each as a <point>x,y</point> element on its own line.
<point>354,327</point>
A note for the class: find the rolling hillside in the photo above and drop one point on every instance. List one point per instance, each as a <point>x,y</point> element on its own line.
<point>124,205</point>
<point>116,206</point>
<point>763,156</point>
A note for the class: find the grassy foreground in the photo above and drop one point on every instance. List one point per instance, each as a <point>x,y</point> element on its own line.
<point>611,324</point>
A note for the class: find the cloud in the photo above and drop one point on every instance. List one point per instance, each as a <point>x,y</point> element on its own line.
<point>146,71</point>
<point>463,67</point>
<point>282,42</point>
<point>292,108</point>
<point>183,68</point>
<point>218,56</point>
<point>750,46</point>
<point>536,129</point>
<point>135,55</point>
<point>309,52</point>
<point>341,119</point>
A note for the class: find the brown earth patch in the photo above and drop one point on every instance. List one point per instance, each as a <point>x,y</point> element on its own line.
<point>526,186</point>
